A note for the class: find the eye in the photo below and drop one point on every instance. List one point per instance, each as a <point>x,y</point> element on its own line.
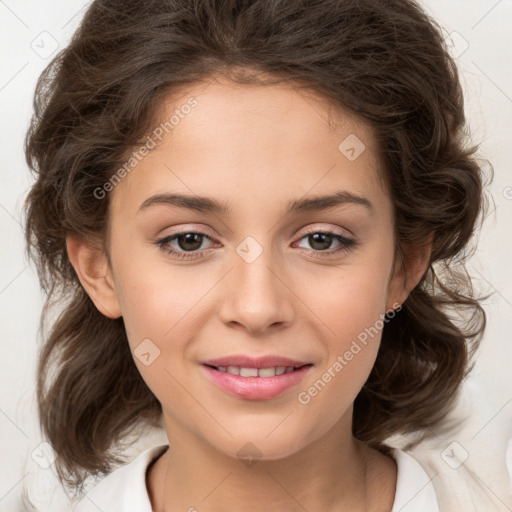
<point>322,240</point>
<point>188,241</point>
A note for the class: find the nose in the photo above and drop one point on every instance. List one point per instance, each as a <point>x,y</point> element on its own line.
<point>257,298</point>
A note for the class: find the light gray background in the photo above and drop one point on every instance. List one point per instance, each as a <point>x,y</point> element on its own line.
<point>29,32</point>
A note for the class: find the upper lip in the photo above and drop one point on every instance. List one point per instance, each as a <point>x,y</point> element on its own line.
<point>242,361</point>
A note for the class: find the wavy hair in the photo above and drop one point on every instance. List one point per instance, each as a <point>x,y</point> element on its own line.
<point>385,61</point>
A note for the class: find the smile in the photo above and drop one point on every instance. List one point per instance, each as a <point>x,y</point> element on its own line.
<point>255,372</point>
<point>255,383</point>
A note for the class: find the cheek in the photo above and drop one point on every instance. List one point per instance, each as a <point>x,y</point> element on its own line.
<point>158,309</point>
<point>163,308</point>
<point>349,300</point>
<point>351,305</point>
<point>156,299</point>
<point>353,313</point>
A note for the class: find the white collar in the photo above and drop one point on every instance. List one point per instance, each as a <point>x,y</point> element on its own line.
<point>124,490</point>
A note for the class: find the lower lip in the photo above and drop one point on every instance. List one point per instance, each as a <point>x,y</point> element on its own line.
<point>255,388</point>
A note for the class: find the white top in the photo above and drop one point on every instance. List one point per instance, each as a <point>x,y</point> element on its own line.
<point>124,490</point>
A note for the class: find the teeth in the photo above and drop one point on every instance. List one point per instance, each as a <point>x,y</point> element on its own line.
<point>248,372</point>
<point>255,372</point>
<point>267,372</point>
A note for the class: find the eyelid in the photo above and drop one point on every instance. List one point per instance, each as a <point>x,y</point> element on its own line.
<point>316,229</point>
<point>183,229</point>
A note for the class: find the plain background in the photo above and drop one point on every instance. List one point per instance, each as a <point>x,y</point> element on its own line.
<point>32,31</point>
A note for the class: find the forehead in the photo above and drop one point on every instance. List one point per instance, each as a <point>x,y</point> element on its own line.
<point>289,110</point>
<point>221,138</point>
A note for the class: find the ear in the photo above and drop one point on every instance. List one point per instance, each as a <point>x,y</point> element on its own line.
<point>410,266</point>
<point>92,267</point>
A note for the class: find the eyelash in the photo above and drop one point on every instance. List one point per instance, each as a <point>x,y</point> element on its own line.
<point>347,244</point>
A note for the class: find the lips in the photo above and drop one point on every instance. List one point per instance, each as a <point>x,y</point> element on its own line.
<point>253,378</point>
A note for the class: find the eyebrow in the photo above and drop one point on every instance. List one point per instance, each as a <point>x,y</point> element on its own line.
<point>210,205</point>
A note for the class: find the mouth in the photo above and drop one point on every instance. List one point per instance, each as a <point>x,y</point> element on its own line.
<point>251,383</point>
<point>272,371</point>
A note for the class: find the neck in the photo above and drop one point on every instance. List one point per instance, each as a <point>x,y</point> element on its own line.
<point>328,474</point>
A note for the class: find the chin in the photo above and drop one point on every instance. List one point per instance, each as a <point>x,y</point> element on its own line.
<point>256,444</point>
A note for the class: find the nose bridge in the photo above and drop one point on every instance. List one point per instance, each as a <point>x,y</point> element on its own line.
<point>258,297</point>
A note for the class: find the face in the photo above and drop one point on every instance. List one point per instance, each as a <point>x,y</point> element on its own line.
<point>254,277</point>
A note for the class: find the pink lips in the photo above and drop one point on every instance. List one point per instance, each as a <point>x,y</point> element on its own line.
<point>255,388</point>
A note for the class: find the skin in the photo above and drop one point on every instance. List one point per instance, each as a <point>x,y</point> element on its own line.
<point>255,147</point>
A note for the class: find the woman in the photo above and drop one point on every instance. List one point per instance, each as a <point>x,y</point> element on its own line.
<point>313,156</point>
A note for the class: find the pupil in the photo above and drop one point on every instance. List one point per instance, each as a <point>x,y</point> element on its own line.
<point>189,239</point>
<point>323,239</point>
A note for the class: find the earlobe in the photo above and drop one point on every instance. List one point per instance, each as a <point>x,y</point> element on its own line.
<point>92,268</point>
<point>408,271</point>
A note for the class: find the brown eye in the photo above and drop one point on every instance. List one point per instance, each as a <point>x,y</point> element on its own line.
<point>184,245</point>
<point>321,242</point>
<point>189,241</point>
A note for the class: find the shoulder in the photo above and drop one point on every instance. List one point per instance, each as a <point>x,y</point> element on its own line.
<point>466,458</point>
<point>124,489</point>
<point>414,489</point>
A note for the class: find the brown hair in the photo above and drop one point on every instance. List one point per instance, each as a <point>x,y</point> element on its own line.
<point>384,60</point>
